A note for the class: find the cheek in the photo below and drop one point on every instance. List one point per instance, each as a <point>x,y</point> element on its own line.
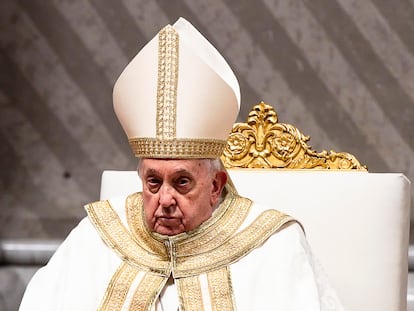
<point>196,211</point>
<point>150,206</point>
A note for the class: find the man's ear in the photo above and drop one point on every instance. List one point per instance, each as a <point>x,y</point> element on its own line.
<point>219,181</point>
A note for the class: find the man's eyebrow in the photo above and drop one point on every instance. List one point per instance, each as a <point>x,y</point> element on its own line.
<point>151,171</point>
<point>182,171</point>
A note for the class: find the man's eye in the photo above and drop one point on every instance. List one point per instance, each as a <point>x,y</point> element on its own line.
<point>183,181</point>
<point>153,182</point>
<point>183,185</point>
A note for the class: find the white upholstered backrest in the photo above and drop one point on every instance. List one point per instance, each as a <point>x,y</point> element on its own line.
<point>356,222</point>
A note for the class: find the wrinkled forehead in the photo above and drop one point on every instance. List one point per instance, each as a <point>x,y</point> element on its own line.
<point>172,165</point>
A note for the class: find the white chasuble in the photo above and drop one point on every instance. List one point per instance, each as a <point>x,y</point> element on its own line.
<point>242,258</point>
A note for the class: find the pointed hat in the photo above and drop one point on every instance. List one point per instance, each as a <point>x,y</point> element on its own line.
<point>178,97</point>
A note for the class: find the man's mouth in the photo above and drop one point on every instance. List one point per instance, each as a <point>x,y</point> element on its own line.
<point>169,221</point>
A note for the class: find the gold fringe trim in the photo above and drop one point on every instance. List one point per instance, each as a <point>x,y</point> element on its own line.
<point>210,249</point>
<point>168,59</point>
<point>147,292</point>
<point>182,148</point>
<point>118,288</point>
<point>117,237</point>
<point>221,290</point>
<point>135,218</point>
<point>189,293</point>
<point>238,246</point>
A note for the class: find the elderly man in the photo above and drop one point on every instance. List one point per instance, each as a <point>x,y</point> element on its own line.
<point>179,195</point>
<point>187,241</point>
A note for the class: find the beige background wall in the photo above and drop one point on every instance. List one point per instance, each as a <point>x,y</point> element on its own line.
<point>341,70</point>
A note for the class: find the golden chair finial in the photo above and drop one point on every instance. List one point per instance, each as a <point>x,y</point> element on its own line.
<point>262,142</point>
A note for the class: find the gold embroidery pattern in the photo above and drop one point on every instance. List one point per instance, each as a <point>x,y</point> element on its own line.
<point>118,288</point>
<point>168,58</point>
<point>238,246</point>
<point>210,235</point>
<point>190,148</point>
<point>189,292</point>
<point>135,219</point>
<point>115,235</point>
<point>234,212</point>
<point>144,296</point>
<point>221,291</point>
<point>230,247</point>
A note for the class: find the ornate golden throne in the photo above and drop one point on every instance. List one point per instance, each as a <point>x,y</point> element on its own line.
<point>356,222</point>
<point>262,142</point>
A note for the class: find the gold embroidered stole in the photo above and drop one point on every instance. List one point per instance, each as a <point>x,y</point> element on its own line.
<point>203,255</point>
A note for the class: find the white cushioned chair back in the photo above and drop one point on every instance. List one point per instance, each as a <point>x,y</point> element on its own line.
<point>357,224</point>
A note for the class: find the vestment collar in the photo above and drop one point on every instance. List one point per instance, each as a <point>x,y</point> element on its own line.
<point>148,260</point>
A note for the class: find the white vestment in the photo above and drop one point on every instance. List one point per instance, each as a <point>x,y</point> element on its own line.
<point>277,273</point>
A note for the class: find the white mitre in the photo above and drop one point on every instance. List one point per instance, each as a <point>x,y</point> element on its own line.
<point>177,98</point>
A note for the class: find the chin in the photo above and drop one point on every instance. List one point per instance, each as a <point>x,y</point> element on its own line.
<point>169,232</point>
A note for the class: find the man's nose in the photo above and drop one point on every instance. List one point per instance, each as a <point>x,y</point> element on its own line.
<point>166,196</point>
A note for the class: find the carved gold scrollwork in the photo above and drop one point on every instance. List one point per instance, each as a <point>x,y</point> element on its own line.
<point>262,142</point>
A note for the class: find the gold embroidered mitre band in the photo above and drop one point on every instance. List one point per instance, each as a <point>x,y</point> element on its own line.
<point>177,98</point>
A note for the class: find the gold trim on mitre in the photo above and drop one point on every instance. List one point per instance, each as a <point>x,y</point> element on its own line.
<point>166,145</point>
<point>167,82</point>
<point>177,148</point>
<point>168,96</point>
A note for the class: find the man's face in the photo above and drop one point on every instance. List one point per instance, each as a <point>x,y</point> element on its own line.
<point>179,195</point>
